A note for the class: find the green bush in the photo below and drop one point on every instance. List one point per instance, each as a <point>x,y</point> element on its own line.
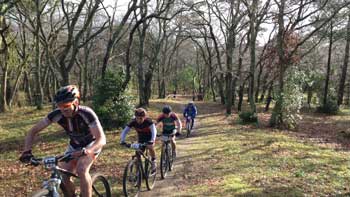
<point>331,106</point>
<point>112,105</point>
<point>248,117</point>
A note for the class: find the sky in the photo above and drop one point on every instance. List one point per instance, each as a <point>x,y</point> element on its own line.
<point>122,6</point>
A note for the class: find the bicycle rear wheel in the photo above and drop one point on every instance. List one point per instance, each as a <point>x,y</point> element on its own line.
<point>171,157</point>
<point>41,193</point>
<point>150,177</point>
<point>164,161</point>
<point>132,178</point>
<point>188,127</point>
<point>100,186</point>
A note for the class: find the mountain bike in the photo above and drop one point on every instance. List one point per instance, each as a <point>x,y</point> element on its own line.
<point>166,156</point>
<point>188,125</point>
<point>136,170</point>
<point>50,187</point>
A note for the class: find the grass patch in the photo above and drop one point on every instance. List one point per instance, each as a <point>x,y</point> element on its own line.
<point>220,158</point>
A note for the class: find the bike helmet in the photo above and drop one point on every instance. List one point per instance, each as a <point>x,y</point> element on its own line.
<point>190,102</point>
<point>67,94</point>
<point>166,109</point>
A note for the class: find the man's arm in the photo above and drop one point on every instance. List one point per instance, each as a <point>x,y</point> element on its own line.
<point>124,133</point>
<point>154,132</point>
<point>178,124</point>
<point>100,138</point>
<point>34,131</point>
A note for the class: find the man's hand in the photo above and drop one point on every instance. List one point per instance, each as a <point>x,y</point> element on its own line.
<point>26,156</point>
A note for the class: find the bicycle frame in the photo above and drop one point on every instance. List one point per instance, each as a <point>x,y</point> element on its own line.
<point>139,152</point>
<point>50,163</point>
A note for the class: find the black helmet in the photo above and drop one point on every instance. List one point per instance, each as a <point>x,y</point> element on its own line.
<point>67,94</point>
<point>166,109</point>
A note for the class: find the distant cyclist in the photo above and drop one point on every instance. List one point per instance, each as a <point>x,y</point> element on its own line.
<point>170,120</point>
<point>190,111</point>
<point>146,132</point>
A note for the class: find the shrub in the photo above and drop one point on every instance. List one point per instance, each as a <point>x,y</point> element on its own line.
<point>248,117</point>
<point>331,106</point>
<point>112,105</point>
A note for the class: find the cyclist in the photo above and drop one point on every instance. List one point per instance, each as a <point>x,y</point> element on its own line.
<point>85,132</point>
<point>146,131</point>
<point>170,120</point>
<point>190,111</point>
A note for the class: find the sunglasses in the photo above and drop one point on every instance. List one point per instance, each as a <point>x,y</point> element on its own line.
<point>140,114</point>
<point>65,106</point>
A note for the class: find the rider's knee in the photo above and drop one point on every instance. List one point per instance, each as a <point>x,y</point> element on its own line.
<point>82,171</point>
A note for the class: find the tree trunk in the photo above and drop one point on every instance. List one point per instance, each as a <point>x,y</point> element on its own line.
<point>229,52</point>
<point>3,103</point>
<point>28,88</point>
<point>240,96</point>
<point>269,98</point>
<point>345,65</point>
<point>3,63</point>
<point>277,115</point>
<point>258,83</point>
<point>39,89</point>
<point>309,96</point>
<point>252,57</point>
<point>140,68</point>
<point>325,95</point>
<point>14,91</point>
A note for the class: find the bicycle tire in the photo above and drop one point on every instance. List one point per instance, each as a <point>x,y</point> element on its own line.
<point>136,181</point>
<point>170,157</point>
<point>106,190</point>
<point>150,178</point>
<point>163,161</point>
<point>188,127</point>
<point>41,193</point>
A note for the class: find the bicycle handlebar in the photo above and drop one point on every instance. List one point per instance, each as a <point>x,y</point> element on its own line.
<point>135,146</point>
<point>60,158</point>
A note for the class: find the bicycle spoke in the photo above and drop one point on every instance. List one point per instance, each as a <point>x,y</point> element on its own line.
<point>132,179</point>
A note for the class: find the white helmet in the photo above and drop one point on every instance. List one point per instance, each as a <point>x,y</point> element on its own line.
<point>190,102</point>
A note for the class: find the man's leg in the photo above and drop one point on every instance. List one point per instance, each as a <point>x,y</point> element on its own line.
<point>69,187</point>
<point>173,145</point>
<point>153,156</point>
<point>192,123</point>
<point>83,168</point>
<point>152,153</point>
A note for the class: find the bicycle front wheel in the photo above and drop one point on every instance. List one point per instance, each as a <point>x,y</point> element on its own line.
<point>41,193</point>
<point>132,179</point>
<point>164,160</point>
<point>100,186</point>
<point>150,177</point>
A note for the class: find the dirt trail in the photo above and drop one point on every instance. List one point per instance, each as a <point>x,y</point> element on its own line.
<point>184,165</point>
<point>175,179</point>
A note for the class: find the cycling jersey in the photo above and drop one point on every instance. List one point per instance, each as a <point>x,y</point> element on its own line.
<point>146,131</point>
<point>191,111</point>
<point>78,126</point>
<point>168,122</point>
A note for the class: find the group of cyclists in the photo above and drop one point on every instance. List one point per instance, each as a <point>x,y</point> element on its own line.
<point>87,138</point>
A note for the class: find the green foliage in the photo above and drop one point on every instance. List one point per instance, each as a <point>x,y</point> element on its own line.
<point>112,105</point>
<point>186,78</point>
<point>248,117</point>
<point>292,97</point>
<point>331,106</point>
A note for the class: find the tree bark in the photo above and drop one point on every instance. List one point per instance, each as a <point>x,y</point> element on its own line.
<point>345,65</point>
<point>325,94</point>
